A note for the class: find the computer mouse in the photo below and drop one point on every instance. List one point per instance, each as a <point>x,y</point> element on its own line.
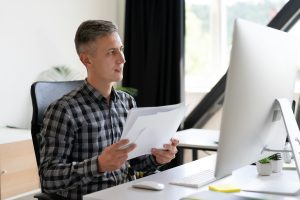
<point>150,185</point>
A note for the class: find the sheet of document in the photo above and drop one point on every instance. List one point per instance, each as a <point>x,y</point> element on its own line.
<point>152,129</point>
<point>134,113</point>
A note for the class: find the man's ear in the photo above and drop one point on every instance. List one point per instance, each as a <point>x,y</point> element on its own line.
<point>85,59</point>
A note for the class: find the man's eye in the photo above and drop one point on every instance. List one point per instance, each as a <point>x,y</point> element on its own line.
<point>111,52</point>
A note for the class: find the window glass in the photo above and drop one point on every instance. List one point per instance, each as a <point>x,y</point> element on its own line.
<point>295,30</point>
<point>197,42</point>
<point>209,27</point>
<point>208,37</point>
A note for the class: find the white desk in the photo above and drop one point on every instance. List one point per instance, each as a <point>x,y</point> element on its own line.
<point>204,139</point>
<point>126,192</point>
<point>196,139</point>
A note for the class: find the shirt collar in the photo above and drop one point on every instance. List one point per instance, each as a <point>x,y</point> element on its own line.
<point>114,94</point>
<point>97,96</point>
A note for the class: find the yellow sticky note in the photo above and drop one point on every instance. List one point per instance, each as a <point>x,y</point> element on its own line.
<point>224,188</point>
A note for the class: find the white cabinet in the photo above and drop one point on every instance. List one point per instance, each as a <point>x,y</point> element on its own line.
<point>18,169</point>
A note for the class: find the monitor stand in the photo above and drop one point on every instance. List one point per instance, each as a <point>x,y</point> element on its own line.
<point>293,134</point>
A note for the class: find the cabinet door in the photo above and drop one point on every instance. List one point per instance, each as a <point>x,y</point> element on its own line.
<point>18,168</point>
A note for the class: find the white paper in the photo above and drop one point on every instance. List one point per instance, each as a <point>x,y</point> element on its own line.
<point>152,127</point>
<point>134,113</point>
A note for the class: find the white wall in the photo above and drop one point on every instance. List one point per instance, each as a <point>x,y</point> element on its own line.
<point>36,35</point>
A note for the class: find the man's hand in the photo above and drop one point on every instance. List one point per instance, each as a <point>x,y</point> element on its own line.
<point>113,157</point>
<point>167,154</point>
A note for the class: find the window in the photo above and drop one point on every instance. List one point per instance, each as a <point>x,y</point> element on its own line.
<point>209,27</point>
<point>295,30</point>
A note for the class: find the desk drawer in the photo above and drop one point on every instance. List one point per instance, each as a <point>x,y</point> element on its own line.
<point>18,168</point>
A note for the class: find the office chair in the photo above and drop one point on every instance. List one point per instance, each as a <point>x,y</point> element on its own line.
<point>42,95</point>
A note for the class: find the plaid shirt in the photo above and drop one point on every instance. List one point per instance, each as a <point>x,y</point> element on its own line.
<point>76,129</point>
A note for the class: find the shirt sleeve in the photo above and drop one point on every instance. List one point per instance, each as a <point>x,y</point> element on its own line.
<point>146,163</point>
<point>132,103</point>
<point>57,170</point>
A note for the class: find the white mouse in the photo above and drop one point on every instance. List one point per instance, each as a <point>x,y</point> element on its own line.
<point>150,185</point>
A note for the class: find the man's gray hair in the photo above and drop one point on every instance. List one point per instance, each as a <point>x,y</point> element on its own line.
<point>88,31</point>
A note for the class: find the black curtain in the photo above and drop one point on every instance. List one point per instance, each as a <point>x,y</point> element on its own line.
<point>154,48</point>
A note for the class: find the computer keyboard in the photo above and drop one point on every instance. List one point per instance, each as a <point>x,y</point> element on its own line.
<point>196,180</point>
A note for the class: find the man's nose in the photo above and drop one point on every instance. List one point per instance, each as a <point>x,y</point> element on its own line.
<point>121,58</point>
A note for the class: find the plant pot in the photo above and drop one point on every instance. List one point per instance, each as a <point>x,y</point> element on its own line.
<point>276,165</point>
<point>264,169</point>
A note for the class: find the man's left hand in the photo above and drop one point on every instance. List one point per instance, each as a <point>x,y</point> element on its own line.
<point>167,154</point>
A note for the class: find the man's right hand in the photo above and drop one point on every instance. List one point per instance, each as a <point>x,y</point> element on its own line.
<point>113,157</point>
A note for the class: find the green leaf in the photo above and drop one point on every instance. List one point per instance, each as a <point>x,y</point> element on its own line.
<point>264,161</point>
<point>276,156</point>
<point>132,91</point>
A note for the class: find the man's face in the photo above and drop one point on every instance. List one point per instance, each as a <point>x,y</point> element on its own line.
<point>105,59</point>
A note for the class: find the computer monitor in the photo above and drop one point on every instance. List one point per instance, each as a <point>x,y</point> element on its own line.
<point>263,67</point>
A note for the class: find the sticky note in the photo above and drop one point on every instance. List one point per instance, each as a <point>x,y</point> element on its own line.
<point>224,188</point>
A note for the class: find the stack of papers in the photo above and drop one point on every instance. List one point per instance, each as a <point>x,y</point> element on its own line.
<point>152,127</point>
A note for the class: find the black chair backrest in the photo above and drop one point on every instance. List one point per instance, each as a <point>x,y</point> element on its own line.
<point>42,95</point>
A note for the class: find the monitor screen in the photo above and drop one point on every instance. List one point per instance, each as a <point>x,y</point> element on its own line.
<point>263,67</point>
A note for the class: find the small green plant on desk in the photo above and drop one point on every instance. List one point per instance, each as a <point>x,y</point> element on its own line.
<point>277,162</point>
<point>264,167</point>
<point>270,164</point>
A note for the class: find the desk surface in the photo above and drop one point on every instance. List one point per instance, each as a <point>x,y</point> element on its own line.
<point>198,138</point>
<point>241,177</point>
<point>9,135</point>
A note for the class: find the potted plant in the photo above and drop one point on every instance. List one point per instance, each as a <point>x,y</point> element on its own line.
<point>64,73</point>
<point>276,162</point>
<point>61,73</point>
<point>264,167</point>
<point>132,91</point>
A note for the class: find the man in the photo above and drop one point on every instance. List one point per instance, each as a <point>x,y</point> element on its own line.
<point>80,147</point>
